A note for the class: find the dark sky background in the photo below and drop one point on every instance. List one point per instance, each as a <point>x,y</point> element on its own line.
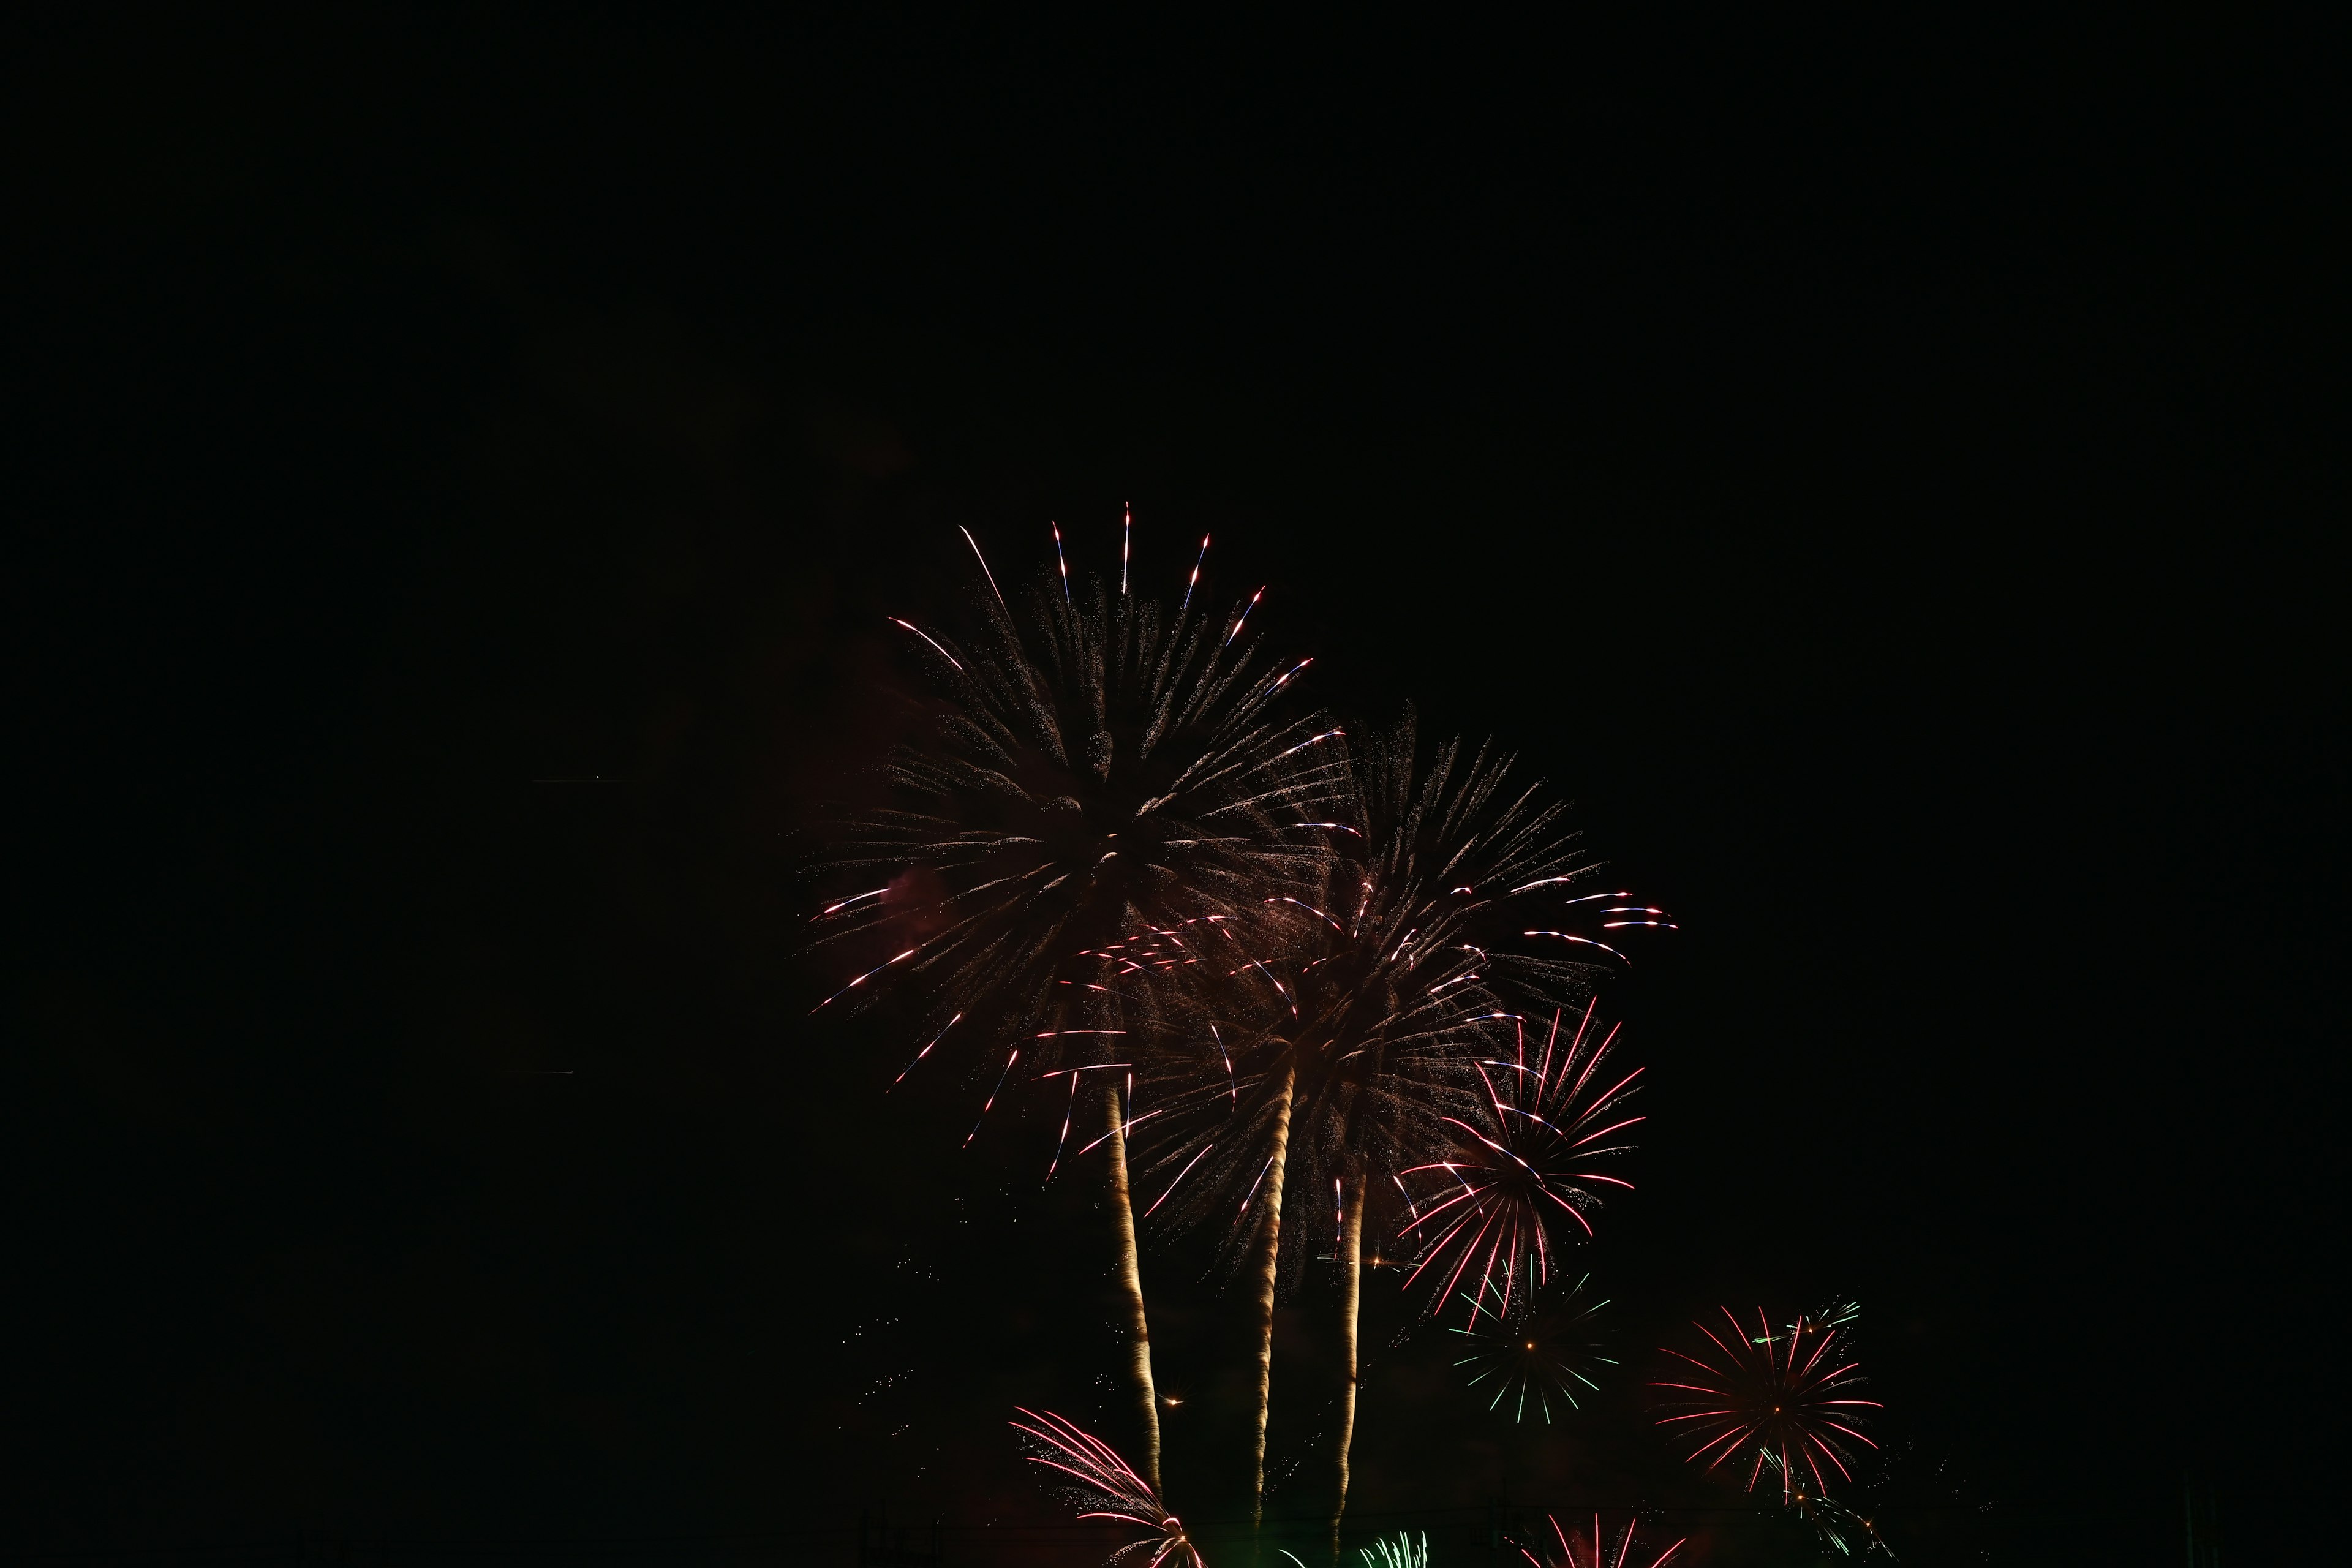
<point>1884,477</point>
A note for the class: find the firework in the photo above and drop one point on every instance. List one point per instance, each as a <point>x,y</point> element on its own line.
<point>1521,1168</point>
<point>1090,1473</point>
<point>1581,1550</point>
<point>1404,1551</point>
<point>1786,1396</point>
<point>1543,1354</point>
<point>1107,767</point>
<point>1844,1529</point>
<point>1359,1013</point>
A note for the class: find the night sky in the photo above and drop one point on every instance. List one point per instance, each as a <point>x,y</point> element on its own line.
<point>460,470</point>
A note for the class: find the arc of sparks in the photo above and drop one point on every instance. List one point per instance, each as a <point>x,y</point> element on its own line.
<point>926,637</point>
<point>992,588</point>
<point>1194,581</point>
<point>1061,561</point>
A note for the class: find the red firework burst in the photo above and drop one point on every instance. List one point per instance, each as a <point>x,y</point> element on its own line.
<point>1786,1394</point>
<point>1522,1167</point>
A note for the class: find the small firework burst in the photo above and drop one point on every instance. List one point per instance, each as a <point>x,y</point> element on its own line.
<point>1523,1163</point>
<point>1103,1486</point>
<point>1786,1396</point>
<point>1540,1356</point>
<point>1579,1549</point>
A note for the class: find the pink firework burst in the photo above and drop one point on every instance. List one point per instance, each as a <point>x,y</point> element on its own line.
<point>1104,1485</point>
<point>1786,1397</point>
<point>1521,1170</point>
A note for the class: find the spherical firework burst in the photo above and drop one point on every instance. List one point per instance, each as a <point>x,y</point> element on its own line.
<point>1596,1549</point>
<point>1541,1356</point>
<point>1107,767</point>
<point>1521,1167</point>
<point>1786,1396</point>
<point>1103,1486</point>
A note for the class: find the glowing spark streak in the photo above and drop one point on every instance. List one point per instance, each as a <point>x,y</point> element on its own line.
<point>854,898</point>
<point>1132,1122</point>
<point>926,637</point>
<point>1067,1117</point>
<point>1312,742</point>
<point>1584,940</point>
<point>1334,826</point>
<point>1195,580</point>
<point>992,1096</point>
<point>942,1035</point>
<point>1125,541</point>
<point>1180,1180</point>
<point>1064,565</point>
<point>858,981</point>
<point>1253,1187</point>
<point>1232,1088</point>
<point>1311,910</point>
<point>1618,926</point>
<point>1244,616</point>
<point>992,588</point>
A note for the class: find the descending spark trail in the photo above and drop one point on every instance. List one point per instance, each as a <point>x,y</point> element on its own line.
<point>1059,559</point>
<point>1106,1487</point>
<point>926,637</point>
<point>1245,614</point>
<point>992,1093</point>
<point>992,588</point>
<point>1126,543</point>
<point>1194,581</point>
<point>910,1067</point>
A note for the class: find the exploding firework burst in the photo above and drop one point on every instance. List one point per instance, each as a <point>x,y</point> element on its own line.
<point>1094,1478</point>
<point>1104,766</point>
<point>1579,1549</point>
<point>1522,1167</point>
<point>1542,1355</point>
<point>1786,1396</point>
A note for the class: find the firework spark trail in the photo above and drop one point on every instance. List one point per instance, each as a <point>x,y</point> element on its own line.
<point>934,1039</point>
<point>928,639</point>
<point>1194,581</point>
<point>1105,1487</point>
<point>1126,543</point>
<point>1788,1407</point>
<point>992,588</point>
<point>1245,614</point>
